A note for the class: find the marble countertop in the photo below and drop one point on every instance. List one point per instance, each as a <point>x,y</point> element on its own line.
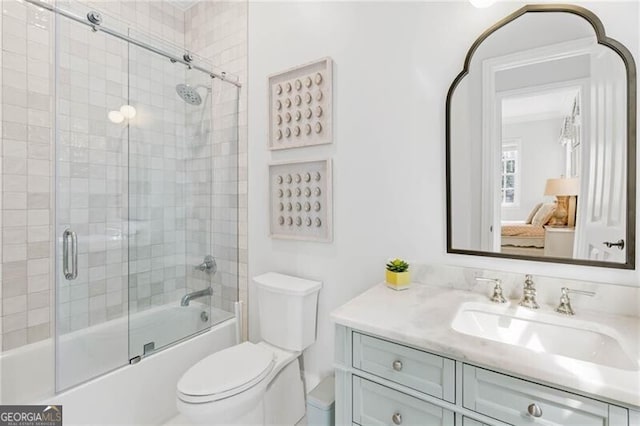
<point>422,316</point>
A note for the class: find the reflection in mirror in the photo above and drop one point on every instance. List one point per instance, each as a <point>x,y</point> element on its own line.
<point>538,134</point>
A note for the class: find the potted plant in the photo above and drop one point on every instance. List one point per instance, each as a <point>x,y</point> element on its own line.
<point>397,274</point>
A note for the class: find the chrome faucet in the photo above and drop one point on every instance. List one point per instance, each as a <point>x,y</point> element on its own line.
<point>497,296</point>
<point>194,295</point>
<point>529,294</point>
<point>565,304</point>
<point>208,265</point>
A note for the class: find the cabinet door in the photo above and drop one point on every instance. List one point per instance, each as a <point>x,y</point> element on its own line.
<point>512,400</point>
<point>377,405</point>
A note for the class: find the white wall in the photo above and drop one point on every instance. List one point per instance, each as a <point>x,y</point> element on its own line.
<point>394,63</point>
<point>541,158</point>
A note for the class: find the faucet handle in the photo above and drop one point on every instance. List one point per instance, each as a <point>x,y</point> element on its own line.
<point>497,296</point>
<point>528,299</point>
<point>565,303</point>
<point>528,281</point>
<point>208,265</point>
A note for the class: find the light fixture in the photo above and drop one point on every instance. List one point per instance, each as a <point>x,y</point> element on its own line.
<point>116,117</point>
<point>565,190</point>
<point>128,111</point>
<point>481,4</point>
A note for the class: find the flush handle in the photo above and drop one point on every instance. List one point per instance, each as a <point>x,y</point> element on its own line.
<point>397,365</point>
<point>619,244</point>
<point>397,418</point>
<point>534,410</point>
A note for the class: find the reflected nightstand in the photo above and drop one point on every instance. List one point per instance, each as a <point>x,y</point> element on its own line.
<point>558,241</point>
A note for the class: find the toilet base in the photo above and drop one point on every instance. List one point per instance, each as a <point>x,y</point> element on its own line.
<point>284,402</point>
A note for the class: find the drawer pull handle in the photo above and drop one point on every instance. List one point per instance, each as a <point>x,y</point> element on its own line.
<point>397,418</point>
<point>397,365</point>
<point>534,410</point>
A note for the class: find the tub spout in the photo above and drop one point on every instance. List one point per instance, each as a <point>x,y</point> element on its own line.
<point>194,295</point>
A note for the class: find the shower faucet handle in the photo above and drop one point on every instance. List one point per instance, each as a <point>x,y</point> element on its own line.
<point>208,265</point>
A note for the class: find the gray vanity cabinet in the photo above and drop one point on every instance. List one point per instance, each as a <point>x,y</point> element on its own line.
<point>382,382</point>
<point>429,374</point>
<point>466,421</point>
<point>374,404</point>
<point>515,401</point>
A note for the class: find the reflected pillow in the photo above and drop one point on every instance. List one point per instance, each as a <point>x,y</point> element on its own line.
<point>544,214</point>
<point>533,212</point>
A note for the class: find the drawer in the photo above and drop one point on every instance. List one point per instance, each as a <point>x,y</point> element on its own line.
<point>508,399</point>
<point>422,371</point>
<point>374,404</point>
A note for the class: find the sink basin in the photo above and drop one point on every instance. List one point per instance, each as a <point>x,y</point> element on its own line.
<point>544,333</point>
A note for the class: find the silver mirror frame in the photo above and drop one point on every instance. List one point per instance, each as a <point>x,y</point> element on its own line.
<point>630,66</point>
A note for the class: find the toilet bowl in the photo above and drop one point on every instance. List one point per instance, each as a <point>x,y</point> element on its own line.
<point>257,384</point>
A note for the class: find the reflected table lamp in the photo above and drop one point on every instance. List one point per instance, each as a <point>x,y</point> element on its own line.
<point>565,190</point>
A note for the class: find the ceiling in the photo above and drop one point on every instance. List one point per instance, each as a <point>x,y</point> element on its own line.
<point>539,106</point>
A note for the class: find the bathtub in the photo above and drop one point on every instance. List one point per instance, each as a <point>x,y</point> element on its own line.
<point>125,394</point>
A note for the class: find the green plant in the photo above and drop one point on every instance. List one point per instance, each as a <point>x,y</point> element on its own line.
<point>397,265</point>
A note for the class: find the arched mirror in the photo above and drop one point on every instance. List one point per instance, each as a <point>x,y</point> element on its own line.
<point>541,139</point>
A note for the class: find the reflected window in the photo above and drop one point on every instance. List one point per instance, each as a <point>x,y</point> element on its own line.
<point>510,174</point>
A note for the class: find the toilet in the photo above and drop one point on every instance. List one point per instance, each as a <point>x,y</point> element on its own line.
<point>257,383</point>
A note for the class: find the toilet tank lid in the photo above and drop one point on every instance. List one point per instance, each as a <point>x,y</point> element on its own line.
<point>287,284</point>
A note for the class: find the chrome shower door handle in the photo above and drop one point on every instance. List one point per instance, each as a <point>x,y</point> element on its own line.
<point>70,254</point>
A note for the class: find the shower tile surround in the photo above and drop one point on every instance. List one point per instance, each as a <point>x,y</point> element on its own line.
<point>217,30</point>
<point>28,176</point>
<point>27,155</point>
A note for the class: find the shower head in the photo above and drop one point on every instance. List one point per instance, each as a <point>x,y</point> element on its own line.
<point>189,94</point>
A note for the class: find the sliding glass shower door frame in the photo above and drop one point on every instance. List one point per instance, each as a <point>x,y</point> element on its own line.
<point>101,239</point>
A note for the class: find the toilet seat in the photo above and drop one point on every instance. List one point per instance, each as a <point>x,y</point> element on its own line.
<point>226,373</point>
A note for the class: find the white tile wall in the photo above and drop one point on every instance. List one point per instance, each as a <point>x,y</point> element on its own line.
<point>93,78</point>
<point>217,31</point>
<point>26,174</point>
<point>92,177</point>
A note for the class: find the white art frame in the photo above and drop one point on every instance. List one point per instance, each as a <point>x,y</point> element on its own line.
<point>301,205</point>
<point>300,106</point>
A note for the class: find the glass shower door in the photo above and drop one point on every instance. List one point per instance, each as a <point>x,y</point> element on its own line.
<point>91,203</point>
<point>134,165</point>
<point>170,196</point>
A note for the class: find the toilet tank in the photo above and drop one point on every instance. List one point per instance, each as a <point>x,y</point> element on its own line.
<point>287,308</point>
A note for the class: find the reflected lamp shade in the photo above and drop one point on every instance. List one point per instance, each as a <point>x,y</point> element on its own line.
<point>562,186</point>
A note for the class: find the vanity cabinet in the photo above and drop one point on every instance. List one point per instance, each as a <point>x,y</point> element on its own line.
<point>374,404</point>
<point>430,374</point>
<point>383,382</point>
<point>513,400</point>
<point>466,421</point>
